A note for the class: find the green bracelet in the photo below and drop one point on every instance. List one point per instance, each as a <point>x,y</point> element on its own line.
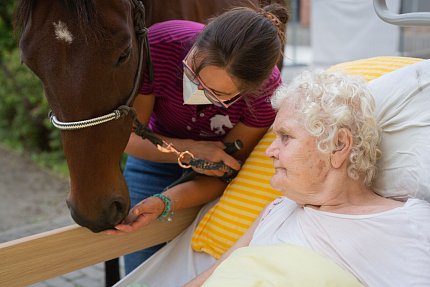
<point>167,212</point>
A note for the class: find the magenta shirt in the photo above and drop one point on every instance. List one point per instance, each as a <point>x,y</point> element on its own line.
<point>169,42</point>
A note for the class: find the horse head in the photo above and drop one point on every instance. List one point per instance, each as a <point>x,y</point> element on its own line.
<point>88,57</point>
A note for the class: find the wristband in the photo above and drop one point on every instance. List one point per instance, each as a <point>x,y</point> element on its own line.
<point>167,212</point>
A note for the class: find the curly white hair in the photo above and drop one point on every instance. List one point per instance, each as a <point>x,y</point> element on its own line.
<point>328,101</point>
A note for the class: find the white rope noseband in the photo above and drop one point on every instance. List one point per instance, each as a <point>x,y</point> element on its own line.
<point>116,114</point>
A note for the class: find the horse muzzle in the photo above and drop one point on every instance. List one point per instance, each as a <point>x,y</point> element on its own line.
<point>111,213</point>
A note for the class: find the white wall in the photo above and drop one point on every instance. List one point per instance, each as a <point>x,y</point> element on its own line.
<point>345,30</point>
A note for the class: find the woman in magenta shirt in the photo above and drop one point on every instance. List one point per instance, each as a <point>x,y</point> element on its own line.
<point>211,85</point>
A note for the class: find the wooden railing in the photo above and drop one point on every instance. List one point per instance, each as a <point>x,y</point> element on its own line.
<point>46,255</point>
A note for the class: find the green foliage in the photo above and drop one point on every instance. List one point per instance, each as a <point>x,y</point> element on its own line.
<point>7,40</point>
<point>24,125</point>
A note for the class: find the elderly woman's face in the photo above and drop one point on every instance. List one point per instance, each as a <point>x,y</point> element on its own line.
<point>300,169</point>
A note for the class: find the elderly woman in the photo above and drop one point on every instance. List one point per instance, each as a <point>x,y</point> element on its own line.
<point>325,155</point>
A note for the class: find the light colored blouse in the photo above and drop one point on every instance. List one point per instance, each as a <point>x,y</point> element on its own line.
<point>391,248</point>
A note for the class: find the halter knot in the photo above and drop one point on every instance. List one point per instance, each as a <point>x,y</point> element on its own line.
<point>141,31</point>
<point>122,111</point>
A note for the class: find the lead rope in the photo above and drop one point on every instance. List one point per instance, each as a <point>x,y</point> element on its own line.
<point>145,133</point>
<point>163,146</point>
<point>142,34</point>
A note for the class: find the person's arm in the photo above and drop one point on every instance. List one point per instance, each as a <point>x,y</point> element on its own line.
<point>144,149</point>
<point>206,150</point>
<point>242,242</point>
<point>198,191</point>
<point>195,192</point>
<point>138,147</point>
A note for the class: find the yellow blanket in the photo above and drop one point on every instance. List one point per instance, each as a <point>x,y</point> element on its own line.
<point>280,265</point>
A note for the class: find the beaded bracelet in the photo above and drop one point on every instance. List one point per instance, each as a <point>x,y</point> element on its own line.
<point>167,212</point>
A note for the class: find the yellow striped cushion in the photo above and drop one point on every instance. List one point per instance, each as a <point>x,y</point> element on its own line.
<point>250,191</point>
<point>240,204</point>
<point>373,68</point>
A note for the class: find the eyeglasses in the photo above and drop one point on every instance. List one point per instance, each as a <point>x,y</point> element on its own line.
<point>210,95</point>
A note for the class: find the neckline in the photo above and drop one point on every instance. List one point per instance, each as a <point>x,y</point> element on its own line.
<point>360,216</point>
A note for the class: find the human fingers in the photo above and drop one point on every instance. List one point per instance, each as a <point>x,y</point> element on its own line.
<point>123,228</point>
<point>219,155</point>
<point>146,206</point>
<point>229,161</point>
<point>120,229</point>
<point>207,150</point>
<point>150,205</point>
<point>113,232</point>
<point>130,217</point>
<point>209,172</point>
<point>140,222</point>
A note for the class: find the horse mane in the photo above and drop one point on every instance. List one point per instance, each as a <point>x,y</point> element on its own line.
<point>83,11</point>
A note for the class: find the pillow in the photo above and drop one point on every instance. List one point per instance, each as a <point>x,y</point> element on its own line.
<point>279,265</point>
<point>375,67</point>
<point>403,111</point>
<point>250,191</point>
<point>240,204</point>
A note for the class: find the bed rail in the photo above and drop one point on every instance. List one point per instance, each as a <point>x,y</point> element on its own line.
<point>404,20</point>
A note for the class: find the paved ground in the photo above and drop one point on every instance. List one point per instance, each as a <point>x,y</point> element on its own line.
<point>33,201</point>
<point>89,277</point>
<point>30,196</point>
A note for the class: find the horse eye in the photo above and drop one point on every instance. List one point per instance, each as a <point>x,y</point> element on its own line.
<point>125,55</point>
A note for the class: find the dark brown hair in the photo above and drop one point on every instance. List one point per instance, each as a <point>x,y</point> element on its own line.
<point>246,42</point>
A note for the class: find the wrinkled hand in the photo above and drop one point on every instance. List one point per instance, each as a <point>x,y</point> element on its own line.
<point>200,279</point>
<point>213,152</point>
<point>193,283</point>
<point>140,215</point>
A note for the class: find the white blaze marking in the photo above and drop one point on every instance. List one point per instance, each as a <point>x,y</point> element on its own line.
<point>62,33</point>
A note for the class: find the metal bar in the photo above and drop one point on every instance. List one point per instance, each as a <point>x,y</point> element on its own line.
<point>404,20</point>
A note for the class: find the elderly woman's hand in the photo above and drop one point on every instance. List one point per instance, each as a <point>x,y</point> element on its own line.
<point>197,281</point>
<point>140,215</point>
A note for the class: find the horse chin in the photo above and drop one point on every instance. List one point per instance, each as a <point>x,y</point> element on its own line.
<point>112,215</point>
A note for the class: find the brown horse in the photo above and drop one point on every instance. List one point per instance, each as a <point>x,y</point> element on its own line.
<point>86,54</point>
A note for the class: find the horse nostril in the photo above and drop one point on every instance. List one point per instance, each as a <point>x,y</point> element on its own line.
<point>117,212</point>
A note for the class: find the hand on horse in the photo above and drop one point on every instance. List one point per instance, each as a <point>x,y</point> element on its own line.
<point>140,215</point>
<point>213,152</point>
